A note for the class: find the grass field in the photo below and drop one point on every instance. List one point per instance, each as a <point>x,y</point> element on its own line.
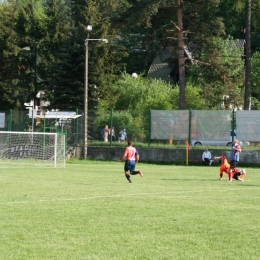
<point>89,211</point>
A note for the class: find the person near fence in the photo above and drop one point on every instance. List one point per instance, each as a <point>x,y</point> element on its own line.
<point>234,155</point>
<point>105,132</point>
<point>131,157</point>
<point>113,134</point>
<point>122,136</point>
<point>206,157</point>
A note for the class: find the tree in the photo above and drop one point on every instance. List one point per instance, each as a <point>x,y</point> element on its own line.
<point>137,94</point>
<point>8,52</point>
<point>30,26</point>
<point>131,99</point>
<point>21,28</point>
<point>64,80</point>
<point>39,52</point>
<point>220,73</point>
<point>181,55</point>
<point>60,80</point>
<point>159,17</point>
<point>248,57</point>
<point>255,80</point>
<point>240,5</point>
<point>143,94</point>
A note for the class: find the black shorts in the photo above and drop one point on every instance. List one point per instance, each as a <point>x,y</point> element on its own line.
<point>233,164</point>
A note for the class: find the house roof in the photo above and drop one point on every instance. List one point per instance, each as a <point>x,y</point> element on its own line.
<point>160,68</point>
<point>240,43</point>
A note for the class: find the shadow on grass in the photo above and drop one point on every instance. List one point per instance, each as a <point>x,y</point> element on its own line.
<point>245,183</point>
<point>184,179</point>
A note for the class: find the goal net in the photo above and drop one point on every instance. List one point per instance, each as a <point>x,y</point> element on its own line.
<point>31,149</point>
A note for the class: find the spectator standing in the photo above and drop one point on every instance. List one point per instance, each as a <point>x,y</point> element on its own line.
<point>113,134</point>
<point>105,132</point>
<point>206,157</point>
<point>122,136</point>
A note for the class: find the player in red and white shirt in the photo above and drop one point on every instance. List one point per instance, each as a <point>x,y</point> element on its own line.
<point>131,157</point>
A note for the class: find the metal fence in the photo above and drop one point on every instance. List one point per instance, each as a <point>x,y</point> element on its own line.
<point>28,121</point>
<point>174,126</point>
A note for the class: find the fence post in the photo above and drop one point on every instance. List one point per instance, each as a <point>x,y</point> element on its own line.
<point>77,128</point>
<point>189,137</point>
<point>149,124</point>
<point>111,125</point>
<point>10,118</point>
<point>233,125</point>
<point>44,124</point>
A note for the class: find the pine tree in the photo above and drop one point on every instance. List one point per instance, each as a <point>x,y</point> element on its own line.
<point>21,33</point>
<point>57,68</point>
<point>10,65</point>
<point>65,52</point>
<point>167,21</point>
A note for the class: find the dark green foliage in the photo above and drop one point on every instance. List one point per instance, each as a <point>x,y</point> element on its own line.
<point>9,62</point>
<point>42,47</point>
<point>220,73</point>
<point>65,78</point>
<point>62,80</point>
<point>46,51</point>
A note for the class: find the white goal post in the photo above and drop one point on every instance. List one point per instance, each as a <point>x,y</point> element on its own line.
<point>32,148</point>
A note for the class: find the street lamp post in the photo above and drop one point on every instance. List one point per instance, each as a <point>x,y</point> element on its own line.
<point>89,29</point>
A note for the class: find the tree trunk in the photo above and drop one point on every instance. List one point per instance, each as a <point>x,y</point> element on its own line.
<point>248,58</point>
<point>181,57</point>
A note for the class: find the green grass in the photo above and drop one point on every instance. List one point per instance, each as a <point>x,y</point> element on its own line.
<point>176,144</point>
<point>89,211</point>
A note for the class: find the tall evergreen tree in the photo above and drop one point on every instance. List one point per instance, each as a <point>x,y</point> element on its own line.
<point>181,55</point>
<point>247,5</point>
<point>248,56</point>
<point>58,78</point>
<point>30,27</point>
<point>21,32</point>
<point>220,73</point>
<point>8,55</point>
<point>65,43</point>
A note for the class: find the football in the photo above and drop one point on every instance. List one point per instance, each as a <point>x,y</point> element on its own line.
<point>134,75</point>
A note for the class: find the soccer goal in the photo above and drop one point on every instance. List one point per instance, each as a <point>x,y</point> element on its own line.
<point>32,148</point>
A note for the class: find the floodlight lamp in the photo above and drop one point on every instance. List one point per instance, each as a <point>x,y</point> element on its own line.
<point>105,40</point>
<point>89,28</point>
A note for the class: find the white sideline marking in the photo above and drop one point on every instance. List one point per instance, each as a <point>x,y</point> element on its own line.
<point>113,196</point>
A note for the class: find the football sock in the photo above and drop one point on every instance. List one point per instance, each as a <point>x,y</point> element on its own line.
<point>134,172</point>
<point>128,177</point>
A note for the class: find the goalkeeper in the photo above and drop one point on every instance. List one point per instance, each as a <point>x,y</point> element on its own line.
<point>131,157</point>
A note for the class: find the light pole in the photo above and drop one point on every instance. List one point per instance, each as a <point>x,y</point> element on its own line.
<point>89,29</point>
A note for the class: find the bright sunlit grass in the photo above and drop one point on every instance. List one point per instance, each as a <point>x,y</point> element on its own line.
<point>89,211</point>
